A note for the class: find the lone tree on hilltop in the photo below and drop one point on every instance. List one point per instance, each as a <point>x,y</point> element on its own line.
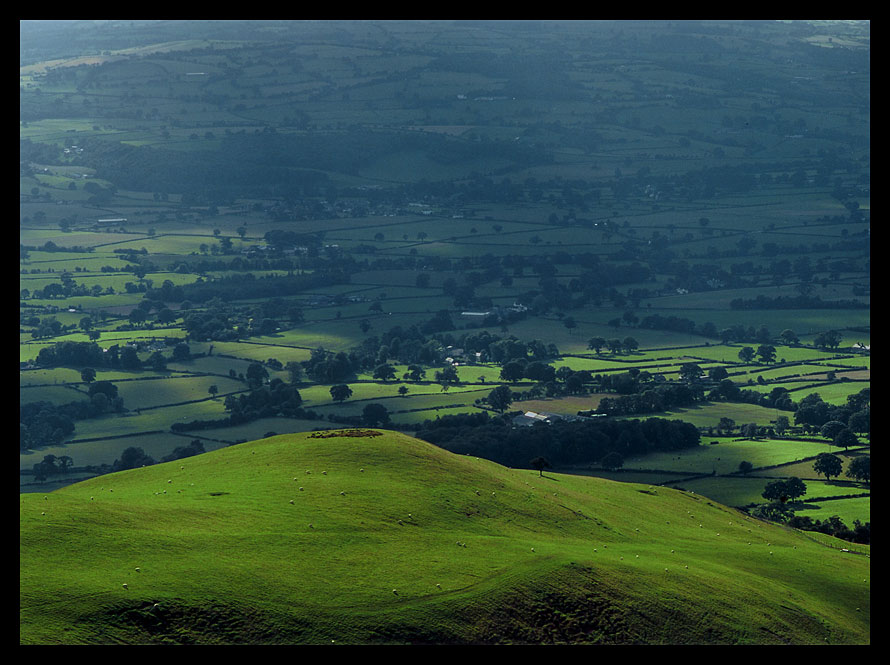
<point>540,463</point>
<point>828,465</point>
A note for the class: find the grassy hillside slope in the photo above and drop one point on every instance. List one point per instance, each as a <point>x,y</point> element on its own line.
<point>375,539</point>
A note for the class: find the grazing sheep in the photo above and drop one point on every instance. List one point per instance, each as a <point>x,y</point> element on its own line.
<point>169,481</point>
<point>533,549</point>
<point>138,569</point>
<point>292,502</point>
<point>395,592</point>
<point>438,586</point>
<point>342,493</point>
<point>324,473</point>
<point>301,489</point>
<point>125,586</point>
<point>362,470</point>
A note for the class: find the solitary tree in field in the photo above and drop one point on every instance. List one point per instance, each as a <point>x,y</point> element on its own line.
<point>766,353</point>
<point>540,463</point>
<point>88,374</point>
<point>213,390</point>
<point>403,390</point>
<point>500,398</point>
<point>828,465</point>
<point>860,468</point>
<point>340,392</point>
<point>746,354</point>
<point>384,372</point>
<point>745,467</point>
<point>845,438</point>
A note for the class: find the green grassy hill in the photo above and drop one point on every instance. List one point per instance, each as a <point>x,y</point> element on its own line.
<point>381,539</point>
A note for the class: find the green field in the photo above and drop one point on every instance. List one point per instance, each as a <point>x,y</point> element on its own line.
<point>389,531</point>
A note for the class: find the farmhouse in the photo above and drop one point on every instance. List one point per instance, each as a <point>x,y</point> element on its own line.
<point>530,418</point>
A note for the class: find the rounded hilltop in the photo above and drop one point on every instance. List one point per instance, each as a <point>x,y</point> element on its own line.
<point>388,539</point>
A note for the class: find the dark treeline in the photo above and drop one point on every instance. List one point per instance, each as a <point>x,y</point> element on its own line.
<point>249,287</point>
<point>44,423</point>
<point>833,526</point>
<point>795,302</point>
<point>561,443</point>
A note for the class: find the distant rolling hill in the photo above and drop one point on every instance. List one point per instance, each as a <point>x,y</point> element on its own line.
<point>382,538</point>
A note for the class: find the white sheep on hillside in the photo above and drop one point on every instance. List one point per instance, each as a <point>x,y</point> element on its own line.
<point>125,585</point>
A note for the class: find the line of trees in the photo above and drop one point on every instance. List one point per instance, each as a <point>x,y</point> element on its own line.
<point>562,442</point>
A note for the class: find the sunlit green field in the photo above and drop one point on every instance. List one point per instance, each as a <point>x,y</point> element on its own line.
<point>484,532</point>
